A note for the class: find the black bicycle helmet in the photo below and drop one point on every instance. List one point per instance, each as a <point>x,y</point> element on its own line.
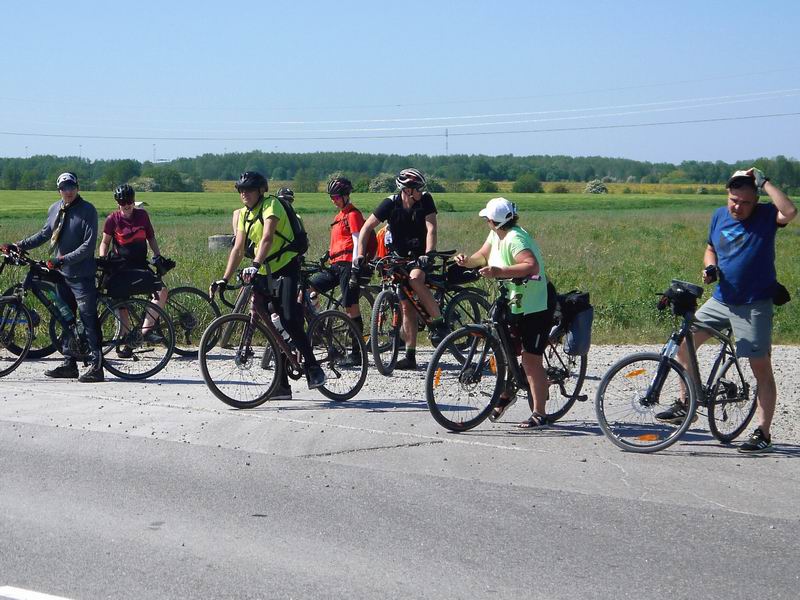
<point>410,178</point>
<point>124,193</point>
<point>286,194</point>
<point>340,186</point>
<point>252,180</point>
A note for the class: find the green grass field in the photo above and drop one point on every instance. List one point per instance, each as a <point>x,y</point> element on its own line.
<point>623,249</point>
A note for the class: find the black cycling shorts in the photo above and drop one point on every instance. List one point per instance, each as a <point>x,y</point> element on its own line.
<point>534,328</point>
<point>339,272</point>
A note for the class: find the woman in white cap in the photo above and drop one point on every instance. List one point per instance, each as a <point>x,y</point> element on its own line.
<point>509,252</point>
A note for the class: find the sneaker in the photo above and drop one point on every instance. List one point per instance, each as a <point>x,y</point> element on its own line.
<point>66,370</point>
<point>153,337</point>
<point>124,351</point>
<point>93,375</point>
<point>438,333</point>
<point>315,377</point>
<point>756,443</point>
<point>406,364</point>
<point>282,392</point>
<point>675,414</point>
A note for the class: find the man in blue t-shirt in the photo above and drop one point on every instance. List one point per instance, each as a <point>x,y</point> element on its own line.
<point>741,255</point>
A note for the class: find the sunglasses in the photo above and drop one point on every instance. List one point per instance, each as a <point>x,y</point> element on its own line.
<point>68,187</point>
<point>125,202</point>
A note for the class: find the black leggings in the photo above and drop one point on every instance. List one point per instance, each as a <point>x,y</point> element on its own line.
<point>284,302</point>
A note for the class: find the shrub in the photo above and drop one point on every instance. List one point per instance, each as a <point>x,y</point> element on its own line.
<point>444,206</point>
<point>486,186</point>
<point>595,186</point>
<point>434,186</point>
<point>384,182</point>
<point>361,185</point>
<point>527,184</point>
<point>305,180</point>
<point>559,188</point>
<point>703,190</point>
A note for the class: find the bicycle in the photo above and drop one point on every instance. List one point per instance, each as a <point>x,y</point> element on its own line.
<point>242,356</point>
<point>127,352</point>
<point>462,388</point>
<point>631,392</point>
<point>191,311</point>
<point>459,305</point>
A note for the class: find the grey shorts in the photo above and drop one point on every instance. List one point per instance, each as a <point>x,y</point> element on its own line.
<point>751,324</point>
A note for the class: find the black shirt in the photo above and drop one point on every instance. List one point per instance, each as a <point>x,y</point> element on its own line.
<point>408,227</point>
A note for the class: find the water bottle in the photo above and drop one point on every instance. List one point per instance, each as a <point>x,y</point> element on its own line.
<point>276,322</point>
<point>62,307</point>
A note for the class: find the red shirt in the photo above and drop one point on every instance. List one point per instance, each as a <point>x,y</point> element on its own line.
<point>347,222</point>
<point>130,235</point>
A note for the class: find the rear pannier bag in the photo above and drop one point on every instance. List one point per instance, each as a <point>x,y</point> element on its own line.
<point>132,282</point>
<point>577,315</point>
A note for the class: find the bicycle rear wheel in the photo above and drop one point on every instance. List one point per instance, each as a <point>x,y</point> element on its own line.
<point>462,388</point>
<point>339,347</point>
<point>565,374</point>
<point>191,311</point>
<point>626,406</point>
<point>16,331</point>
<point>242,372</point>
<point>137,338</point>
<point>385,331</point>
<point>733,403</point>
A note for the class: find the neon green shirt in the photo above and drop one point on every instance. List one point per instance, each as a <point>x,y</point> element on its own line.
<point>253,227</point>
<point>502,253</point>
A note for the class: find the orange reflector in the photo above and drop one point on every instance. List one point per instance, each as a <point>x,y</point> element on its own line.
<point>648,437</point>
<point>438,377</point>
<point>635,373</point>
<point>493,365</point>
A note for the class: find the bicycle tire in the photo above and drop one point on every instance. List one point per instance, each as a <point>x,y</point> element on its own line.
<point>44,343</point>
<point>239,382</point>
<point>16,329</point>
<point>456,398</point>
<point>628,422</point>
<point>115,335</point>
<point>335,339</point>
<point>566,374</point>
<point>730,416</point>
<point>384,331</point>
<point>191,311</point>
<point>463,309</point>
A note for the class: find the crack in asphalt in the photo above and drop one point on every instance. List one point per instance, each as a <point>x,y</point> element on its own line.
<point>356,450</point>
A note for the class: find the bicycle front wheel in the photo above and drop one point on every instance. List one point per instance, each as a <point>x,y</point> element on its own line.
<point>339,347</point>
<point>191,311</point>
<point>137,338</point>
<point>565,375</point>
<point>242,371</point>
<point>385,331</point>
<point>44,343</point>
<point>465,308</point>
<point>733,403</point>
<point>630,397</point>
<point>461,388</point>
<point>16,334</point>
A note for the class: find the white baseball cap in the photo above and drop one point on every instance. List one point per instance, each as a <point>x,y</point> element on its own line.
<point>739,175</point>
<point>66,178</point>
<point>499,210</point>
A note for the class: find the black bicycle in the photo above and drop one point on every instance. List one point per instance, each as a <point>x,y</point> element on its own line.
<point>473,366</point>
<point>242,356</point>
<point>459,305</point>
<point>136,336</point>
<point>639,386</point>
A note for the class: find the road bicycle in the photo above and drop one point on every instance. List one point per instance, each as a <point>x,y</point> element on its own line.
<point>639,386</point>
<point>463,386</point>
<point>459,305</point>
<point>136,336</point>
<point>242,356</point>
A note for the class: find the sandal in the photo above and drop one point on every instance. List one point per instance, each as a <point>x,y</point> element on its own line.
<point>503,405</point>
<point>535,421</point>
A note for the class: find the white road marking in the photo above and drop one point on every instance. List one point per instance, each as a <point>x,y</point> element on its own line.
<point>15,593</point>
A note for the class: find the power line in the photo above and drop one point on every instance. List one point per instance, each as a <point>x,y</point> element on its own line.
<point>400,136</point>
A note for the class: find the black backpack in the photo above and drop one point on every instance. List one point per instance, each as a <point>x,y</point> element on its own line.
<point>299,241</point>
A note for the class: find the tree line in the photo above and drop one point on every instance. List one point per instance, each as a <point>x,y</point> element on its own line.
<point>447,172</point>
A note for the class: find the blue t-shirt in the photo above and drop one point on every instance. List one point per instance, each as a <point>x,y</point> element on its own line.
<point>745,254</point>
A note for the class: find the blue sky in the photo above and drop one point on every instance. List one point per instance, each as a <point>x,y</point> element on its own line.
<point>169,79</point>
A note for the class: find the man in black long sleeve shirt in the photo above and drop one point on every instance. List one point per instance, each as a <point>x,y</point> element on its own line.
<point>71,230</point>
